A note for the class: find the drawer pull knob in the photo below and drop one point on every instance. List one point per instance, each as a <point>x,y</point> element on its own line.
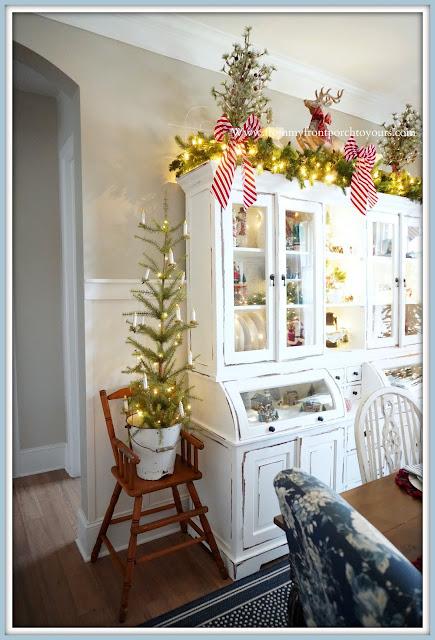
<point>320,418</point>
<point>272,429</point>
<point>355,393</point>
<point>355,373</point>
<point>337,377</point>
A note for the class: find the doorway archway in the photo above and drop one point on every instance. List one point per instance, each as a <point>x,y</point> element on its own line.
<point>36,75</point>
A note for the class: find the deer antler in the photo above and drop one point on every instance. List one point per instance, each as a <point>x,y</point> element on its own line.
<point>337,98</point>
<point>324,97</point>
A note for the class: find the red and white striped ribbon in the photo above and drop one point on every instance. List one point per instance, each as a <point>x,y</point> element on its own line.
<point>223,178</point>
<point>362,189</point>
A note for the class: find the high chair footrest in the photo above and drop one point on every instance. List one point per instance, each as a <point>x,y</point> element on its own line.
<point>163,522</point>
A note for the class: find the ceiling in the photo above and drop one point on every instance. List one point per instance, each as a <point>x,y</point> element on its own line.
<point>379,52</point>
<point>375,56</point>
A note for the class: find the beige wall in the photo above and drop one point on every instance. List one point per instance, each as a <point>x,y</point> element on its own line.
<point>129,96</point>
<point>37,272</point>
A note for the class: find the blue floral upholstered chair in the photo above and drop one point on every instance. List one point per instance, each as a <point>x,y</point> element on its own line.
<point>345,573</point>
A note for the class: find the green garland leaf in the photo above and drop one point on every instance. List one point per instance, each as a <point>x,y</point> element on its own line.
<point>319,165</point>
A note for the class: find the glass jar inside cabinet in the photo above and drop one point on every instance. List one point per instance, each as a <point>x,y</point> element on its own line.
<point>249,298</point>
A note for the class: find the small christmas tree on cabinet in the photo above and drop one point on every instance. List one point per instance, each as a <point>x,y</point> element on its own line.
<point>402,144</point>
<point>242,92</point>
<point>159,405</point>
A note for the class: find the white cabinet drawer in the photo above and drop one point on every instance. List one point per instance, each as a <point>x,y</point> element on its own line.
<point>339,375</point>
<point>354,373</point>
<point>353,394</point>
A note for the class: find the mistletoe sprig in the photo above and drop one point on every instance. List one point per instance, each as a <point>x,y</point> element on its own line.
<point>308,165</point>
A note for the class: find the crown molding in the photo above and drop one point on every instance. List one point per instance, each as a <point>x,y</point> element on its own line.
<point>184,39</point>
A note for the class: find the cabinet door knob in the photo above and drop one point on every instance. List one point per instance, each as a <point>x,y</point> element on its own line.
<point>396,280</point>
<point>272,429</point>
<point>355,373</point>
<point>355,393</point>
<point>283,279</point>
<point>272,277</point>
<point>337,378</point>
<point>320,418</point>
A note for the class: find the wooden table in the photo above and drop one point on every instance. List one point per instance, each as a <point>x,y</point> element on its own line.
<point>396,514</point>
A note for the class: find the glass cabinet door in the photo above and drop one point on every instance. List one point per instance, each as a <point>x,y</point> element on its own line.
<point>249,280</point>
<point>300,279</point>
<point>281,402</point>
<point>383,280</point>
<point>412,316</point>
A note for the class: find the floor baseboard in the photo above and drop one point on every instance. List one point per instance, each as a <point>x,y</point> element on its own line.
<point>39,460</point>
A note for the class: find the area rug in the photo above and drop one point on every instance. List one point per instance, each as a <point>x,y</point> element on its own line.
<point>259,600</point>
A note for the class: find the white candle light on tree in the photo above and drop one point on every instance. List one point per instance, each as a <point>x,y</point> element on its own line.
<point>177,313</point>
<point>193,315</point>
<point>125,404</point>
<point>147,274</point>
<point>135,320</point>
<point>183,278</point>
<point>190,359</point>
<point>143,219</point>
<point>185,228</point>
<point>181,409</point>
<point>171,257</point>
<point>145,381</point>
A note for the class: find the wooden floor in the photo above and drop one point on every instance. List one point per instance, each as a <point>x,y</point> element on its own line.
<point>54,587</point>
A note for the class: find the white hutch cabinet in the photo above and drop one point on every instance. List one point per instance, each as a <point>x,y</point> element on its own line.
<point>294,299</point>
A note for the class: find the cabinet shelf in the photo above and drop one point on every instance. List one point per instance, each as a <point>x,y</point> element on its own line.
<point>331,255</point>
<point>248,251</point>
<point>382,258</point>
<point>298,306</point>
<point>345,304</point>
<point>298,253</point>
<point>249,307</point>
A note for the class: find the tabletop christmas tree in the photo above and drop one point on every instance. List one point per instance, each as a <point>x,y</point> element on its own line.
<point>160,397</point>
<point>402,144</point>
<point>242,93</point>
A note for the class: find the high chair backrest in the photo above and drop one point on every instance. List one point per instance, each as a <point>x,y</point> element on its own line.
<point>116,395</point>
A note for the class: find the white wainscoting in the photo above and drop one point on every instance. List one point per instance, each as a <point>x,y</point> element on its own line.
<point>39,459</point>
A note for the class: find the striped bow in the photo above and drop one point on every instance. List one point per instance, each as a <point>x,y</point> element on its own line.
<point>223,178</point>
<point>362,190</point>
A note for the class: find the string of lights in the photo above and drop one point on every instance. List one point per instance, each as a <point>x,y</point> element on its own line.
<point>305,166</point>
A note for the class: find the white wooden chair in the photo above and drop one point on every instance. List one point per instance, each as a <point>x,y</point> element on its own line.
<point>387,432</point>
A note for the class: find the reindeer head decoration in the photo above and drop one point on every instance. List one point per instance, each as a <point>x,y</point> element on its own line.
<point>322,100</point>
<point>318,132</point>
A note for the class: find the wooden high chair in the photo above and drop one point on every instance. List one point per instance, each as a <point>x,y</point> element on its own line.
<point>185,472</point>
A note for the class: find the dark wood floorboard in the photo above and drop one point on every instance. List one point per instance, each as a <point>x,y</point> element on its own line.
<point>54,587</point>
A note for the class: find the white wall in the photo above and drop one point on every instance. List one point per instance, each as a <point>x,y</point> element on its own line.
<point>128,98</point>
<point>37,272</point>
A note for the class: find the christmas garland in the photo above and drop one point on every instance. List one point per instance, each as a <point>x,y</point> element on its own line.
<point>319,165</point>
